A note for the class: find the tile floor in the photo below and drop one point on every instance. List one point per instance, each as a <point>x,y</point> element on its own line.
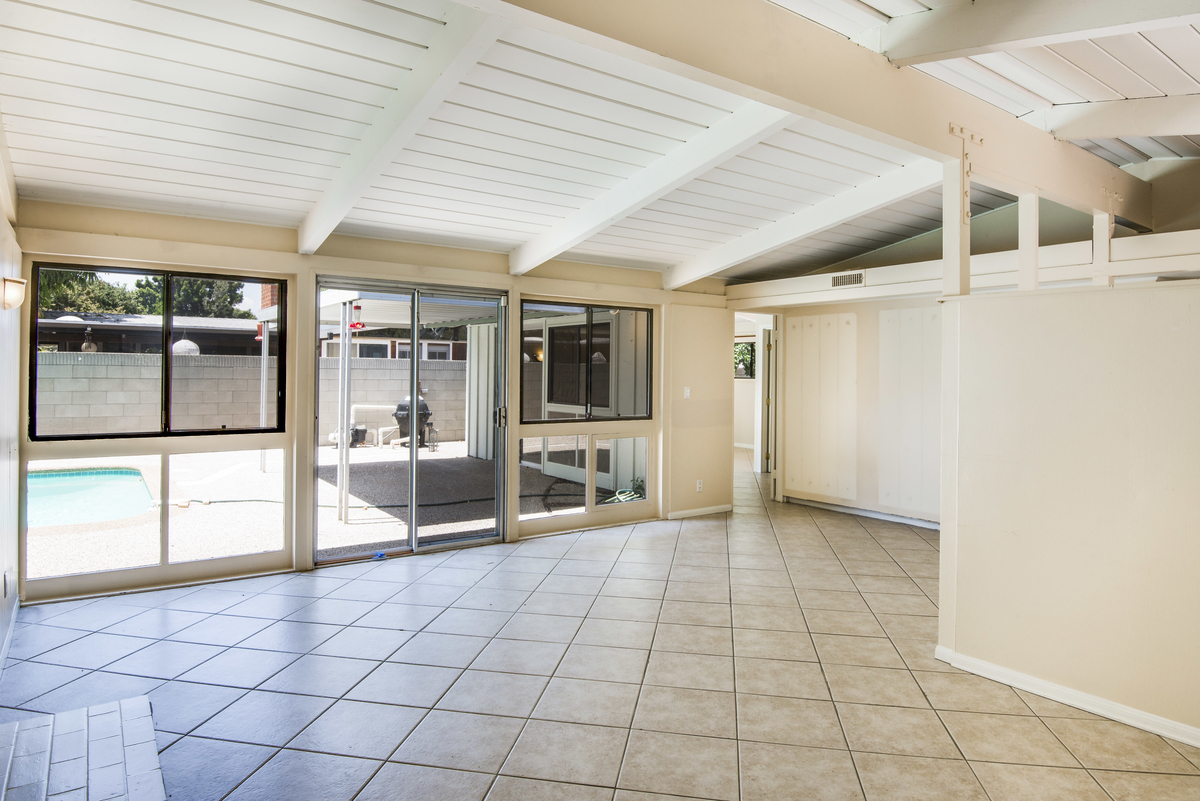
<point>778,652</point>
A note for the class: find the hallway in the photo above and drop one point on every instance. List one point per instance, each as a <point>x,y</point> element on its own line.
<point>777,652</point>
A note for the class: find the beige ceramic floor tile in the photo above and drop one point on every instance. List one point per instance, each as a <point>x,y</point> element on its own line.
<point>1045,708</point>
<point>714,640</point>
<point>761,644</point>
<point>520,656</point>
<point>603,664</point>
<point>869,685</point>
<point>1190,752</point>
<point>918,654</point>
<point>902,778</point>
<point>1148,786</point>
<point>889,604</point>
<point>896,730</point>
<point>788,721</point>
<point>763,596</point>
<point>836,649</point>
<point>860,624</point>
<point>1007,738</point>
<point>834,601</point>
<point>461,741</point>
<point>697,593</point>
<point>511,788</point>
<point>962,692</point>
<point>1108,745</point>
<point>613,608</point>
<point>696,614</point>
<point>567,752</point>
<point>596,702</point>
<point>909,627</point>
<point>678,764</point>
<point>1033,783</point>
<point>789,773</point>
<point>615,633</point>
<point>771,618</point>
<point>684,711</point>
<point>780,677</point>
<point>697,671</point>
<point>417,783</point>
<point>488,693</point>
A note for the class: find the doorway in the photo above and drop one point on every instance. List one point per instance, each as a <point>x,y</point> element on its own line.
<point>402,471</point>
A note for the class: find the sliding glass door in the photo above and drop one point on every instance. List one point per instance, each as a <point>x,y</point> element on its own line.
<point>399,470</point>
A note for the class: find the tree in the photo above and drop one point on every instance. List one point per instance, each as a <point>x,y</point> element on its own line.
<point>743,356</point>
<point>77,291</point>
<point>194,297</point>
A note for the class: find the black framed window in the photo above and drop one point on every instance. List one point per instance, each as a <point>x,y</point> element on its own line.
<point>584,362</point>
<point>138,353</point>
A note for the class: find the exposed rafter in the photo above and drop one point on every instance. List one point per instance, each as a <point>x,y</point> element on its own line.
<point>858,91</point>
<point>8,182</point>
<point>968,29</point>
<point>1114,119</point>
<point>747,126</point>
<point>863,199</point>
<point>467,35</point>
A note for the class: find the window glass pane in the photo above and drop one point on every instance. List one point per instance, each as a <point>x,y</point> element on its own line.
<point>224,354</point>
<point>438,351</point>
<point>87,515</point>
<point>372,350</point>
<point>560,355</point>
<point>225,504</point>
<point>620,363</point>
<point>553,476</point>
<point>620,470</point>
<point>99,353</point>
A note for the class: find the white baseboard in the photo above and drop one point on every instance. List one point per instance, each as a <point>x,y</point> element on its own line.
<point>853,510</point>
<point>707,510</point>
<point>8,638</point>
<point>1080,700</point>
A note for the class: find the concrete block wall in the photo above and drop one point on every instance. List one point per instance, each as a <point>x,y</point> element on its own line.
<point>111,393</point>
<point>384,382</point>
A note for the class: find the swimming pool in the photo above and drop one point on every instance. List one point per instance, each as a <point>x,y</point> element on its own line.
<point>67,497</point>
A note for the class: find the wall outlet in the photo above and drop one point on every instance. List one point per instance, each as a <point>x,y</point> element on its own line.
<point>687,392</point>
<point>700,485</point>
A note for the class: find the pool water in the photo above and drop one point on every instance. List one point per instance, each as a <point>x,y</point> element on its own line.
<point>68,497</point>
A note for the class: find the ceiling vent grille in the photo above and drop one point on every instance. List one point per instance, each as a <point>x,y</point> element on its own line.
<point>849,279</point>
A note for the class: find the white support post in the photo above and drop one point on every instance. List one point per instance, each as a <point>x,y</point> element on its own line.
<point>1102,230</point>
<point>956,230</point>
<point>1027,242</point>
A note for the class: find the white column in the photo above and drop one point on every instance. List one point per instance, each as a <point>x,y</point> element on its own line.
<point>1102,227</point>
<point>1027,242</point>
<point>956,231</point>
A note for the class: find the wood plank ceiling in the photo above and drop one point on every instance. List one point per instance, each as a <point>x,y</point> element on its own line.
<point>252,111</point>
<point>1154,62</point>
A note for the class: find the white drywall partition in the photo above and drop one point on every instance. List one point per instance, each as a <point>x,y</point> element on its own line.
<point>910,384</point>
<point>822,383</point>
<point>1078,472</point>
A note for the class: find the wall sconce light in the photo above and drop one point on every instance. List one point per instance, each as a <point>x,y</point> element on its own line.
<point>14,292</point>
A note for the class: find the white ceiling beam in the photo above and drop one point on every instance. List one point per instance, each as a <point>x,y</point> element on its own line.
<point>8,191</point>
<point>969,29</point>
<point>849,205</point>
<point>766,53</point>
<point>745,127</point>
<point>466,36</point>
<point>1116,119</point>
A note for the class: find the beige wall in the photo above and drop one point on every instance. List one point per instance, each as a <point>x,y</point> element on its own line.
<point>10,338</point>
<point>887,451</point>
<point>743,412</point>
<point>1078,533</point>
<point>699,435</point>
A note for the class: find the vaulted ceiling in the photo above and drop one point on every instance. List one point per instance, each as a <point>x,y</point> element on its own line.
<point>426,121</point>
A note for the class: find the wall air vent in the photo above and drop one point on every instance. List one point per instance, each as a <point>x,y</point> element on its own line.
<point>849,279</point>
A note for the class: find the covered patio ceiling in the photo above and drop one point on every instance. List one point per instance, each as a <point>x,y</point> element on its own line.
<point>430,122</point>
